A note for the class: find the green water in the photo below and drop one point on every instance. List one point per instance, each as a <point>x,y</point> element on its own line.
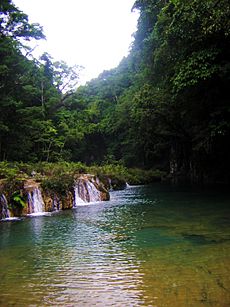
<point>149,246</point>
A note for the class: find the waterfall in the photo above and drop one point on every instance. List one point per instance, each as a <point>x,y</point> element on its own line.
<point>93,192</point>
<point>55,204</point>
<point>79,190</point>
<point>35,202</point>
<point>86,191</point>
<point>4,211</point>
<point>30,208</point>
<point>110,184</point>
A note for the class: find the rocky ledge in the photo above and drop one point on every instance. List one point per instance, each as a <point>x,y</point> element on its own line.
<point>33,196</point>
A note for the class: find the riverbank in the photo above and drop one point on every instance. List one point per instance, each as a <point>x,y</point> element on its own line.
<point>9,170</point>
<point>46,187</point>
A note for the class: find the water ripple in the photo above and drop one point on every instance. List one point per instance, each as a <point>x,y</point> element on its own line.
<point>134,250</point>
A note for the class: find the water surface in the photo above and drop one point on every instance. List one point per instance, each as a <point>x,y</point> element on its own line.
<point>149,246</point>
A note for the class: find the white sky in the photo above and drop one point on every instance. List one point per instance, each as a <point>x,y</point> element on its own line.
<point>93,33</point>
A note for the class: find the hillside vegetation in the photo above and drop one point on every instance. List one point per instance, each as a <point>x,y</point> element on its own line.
<point>166,106</point>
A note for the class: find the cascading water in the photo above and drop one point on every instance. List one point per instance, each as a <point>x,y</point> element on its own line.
<point>85,191</point>
<point>35,202</point>
<point>30,208</point>
<point>110,184</point>
<point>79,190</point>
<point>55,204</point>
<point>93,192</point>
<point>5,212</point>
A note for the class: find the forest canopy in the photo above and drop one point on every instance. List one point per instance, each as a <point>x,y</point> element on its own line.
<point>165,106</point>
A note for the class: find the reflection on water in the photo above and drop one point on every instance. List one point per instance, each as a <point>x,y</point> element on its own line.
<point>148,246</point>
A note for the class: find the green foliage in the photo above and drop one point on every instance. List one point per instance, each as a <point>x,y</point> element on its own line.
<point>8,170</point>
<point>14,23</point>
<point>198,67</point>
<point>65,77</point>
<point>13,187</point>
<point>17,200</point>
<point>59,184</point>
<point>121,174</point>
<point>164,106</point>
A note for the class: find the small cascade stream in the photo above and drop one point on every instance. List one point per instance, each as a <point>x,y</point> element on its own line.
<point>35,202</point>
<point>85,191</point>
<point>5,212</point>
<point>110,184</point>
<point>55,204</point>
<point>93,192</point>
<point>77,199</point>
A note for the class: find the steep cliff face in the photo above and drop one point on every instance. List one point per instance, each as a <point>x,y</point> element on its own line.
<point>34,198</point>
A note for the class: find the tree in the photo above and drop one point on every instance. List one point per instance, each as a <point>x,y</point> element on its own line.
<point>16,86</point>
<point>14,24</point>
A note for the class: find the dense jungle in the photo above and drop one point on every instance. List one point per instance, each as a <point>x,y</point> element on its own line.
<point>165,106</point>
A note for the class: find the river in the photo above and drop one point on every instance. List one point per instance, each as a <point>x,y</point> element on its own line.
<point>156,245</point>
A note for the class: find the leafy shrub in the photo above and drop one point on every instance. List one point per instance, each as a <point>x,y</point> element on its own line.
<point>8,170</point>
<point>18,200</point>
<point>58,184</point>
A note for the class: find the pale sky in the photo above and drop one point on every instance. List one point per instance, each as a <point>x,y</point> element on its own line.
<point>93,33</point>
